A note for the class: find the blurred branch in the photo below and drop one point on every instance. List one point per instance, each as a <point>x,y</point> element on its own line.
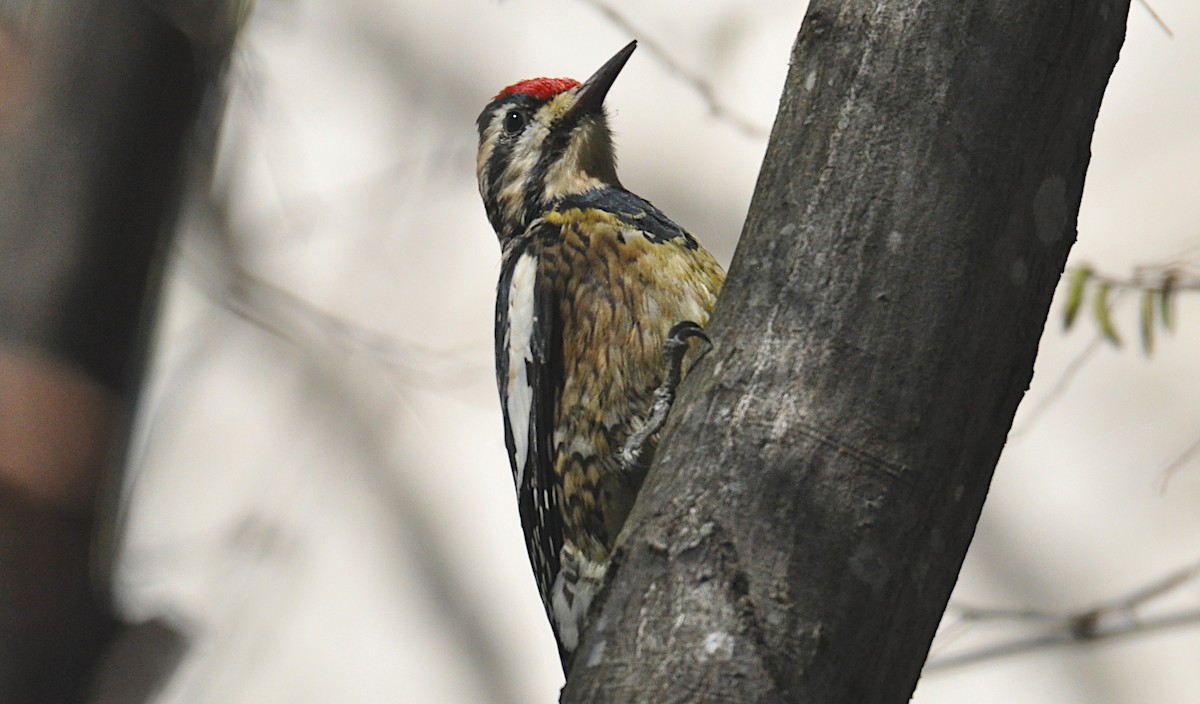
<point>703,88</point>
<point>285,314</point>
<point>347,400</point>
<point>1063,383</point>
<point>1178,463</point>
<point>1111,619</point>
<point>1059,389</point>
<point>1159,20</point>
<point>300,321</point>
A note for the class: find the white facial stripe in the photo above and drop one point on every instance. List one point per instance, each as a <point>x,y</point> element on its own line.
<point>525,155</point>
<point>521,319</point>
<point>486,146</point>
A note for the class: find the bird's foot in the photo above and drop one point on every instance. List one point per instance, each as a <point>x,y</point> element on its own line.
<point>635,456</point>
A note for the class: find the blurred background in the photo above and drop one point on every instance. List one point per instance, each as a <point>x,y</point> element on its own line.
<point>319,493</point>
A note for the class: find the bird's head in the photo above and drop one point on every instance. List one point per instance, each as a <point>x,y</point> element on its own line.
<point>542,139</point>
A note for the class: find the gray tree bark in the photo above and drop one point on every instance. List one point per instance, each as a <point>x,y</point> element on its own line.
<point>820,480</point>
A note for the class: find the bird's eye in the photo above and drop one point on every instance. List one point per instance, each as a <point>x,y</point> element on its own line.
<point>514,121</point>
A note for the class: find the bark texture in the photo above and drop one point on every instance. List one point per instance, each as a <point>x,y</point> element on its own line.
<point>820,480</point>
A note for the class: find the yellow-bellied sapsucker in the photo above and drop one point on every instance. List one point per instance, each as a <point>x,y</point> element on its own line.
<point>599,292</point>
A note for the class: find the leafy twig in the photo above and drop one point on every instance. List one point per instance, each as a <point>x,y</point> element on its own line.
<point>1158,286</point>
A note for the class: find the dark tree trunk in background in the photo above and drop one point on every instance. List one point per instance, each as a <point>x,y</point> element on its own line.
<point>96,101</point>
<point>820,480</point>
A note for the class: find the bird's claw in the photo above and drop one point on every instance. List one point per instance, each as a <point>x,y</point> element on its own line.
<point>635,454</point>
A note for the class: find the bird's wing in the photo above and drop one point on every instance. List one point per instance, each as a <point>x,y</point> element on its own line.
<point>634,211</point>
<point>529,373</point>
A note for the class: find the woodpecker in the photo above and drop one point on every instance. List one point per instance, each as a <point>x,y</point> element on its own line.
<point>598,296</point>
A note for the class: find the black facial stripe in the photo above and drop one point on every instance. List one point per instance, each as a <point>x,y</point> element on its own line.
<point>503,149</point>
<point>489,111</point>
<point>501,154</point>
<point>552,150</point>
<point>502,105</point>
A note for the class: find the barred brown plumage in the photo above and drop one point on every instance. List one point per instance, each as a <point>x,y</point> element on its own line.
<point>592,279</point>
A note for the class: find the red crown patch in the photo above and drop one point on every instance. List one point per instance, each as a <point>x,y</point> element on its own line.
<point>541,88</point>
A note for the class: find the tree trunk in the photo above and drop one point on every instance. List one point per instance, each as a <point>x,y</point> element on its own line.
<point>819,482</point>
<point>97,100</point>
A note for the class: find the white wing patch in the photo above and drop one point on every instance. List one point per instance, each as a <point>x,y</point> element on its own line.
<point>521,319</point>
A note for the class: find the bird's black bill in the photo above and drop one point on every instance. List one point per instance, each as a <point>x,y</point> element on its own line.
<point>593,90</point>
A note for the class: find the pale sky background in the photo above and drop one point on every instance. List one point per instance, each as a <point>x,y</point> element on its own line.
<point>321,494</point>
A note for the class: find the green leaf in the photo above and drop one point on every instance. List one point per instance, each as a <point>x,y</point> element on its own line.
<point>1075,288</point>
<point>1103,314</point>
<point>1166,303</point>
<point>1148,296</point>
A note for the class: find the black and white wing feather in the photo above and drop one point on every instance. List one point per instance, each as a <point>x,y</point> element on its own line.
<point>529,374</point>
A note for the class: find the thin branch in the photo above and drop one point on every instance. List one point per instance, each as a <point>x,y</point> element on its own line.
<point>274,309</point>
<point>1059,389</point>
<point>1159,20</point>
<point>283,313</point>
<point>1159,588</point>
<point>1114,618</point>
<point>697,82</point>
<point>1180,460</point>
<point>1062,638</point>
<point>985,613</point>
<point>353,404</point>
